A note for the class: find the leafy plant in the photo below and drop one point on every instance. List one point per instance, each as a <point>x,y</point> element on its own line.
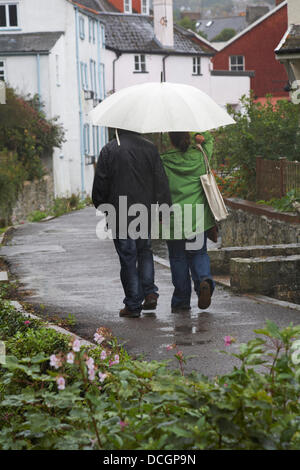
<point>102,399</point>
<point>36,216</point>
<point>254,135</point>
<point>285,204</point>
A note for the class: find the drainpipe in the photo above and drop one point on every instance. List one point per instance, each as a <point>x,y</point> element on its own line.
<point>164,67</point>
<point>80,105</point>
<point>118,54</point>
<point>38,63</point>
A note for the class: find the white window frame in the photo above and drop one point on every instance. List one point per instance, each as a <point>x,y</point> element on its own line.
<point>145,7</point>
<point>127,6</point>
<point>94,31</point>
<point>84,76</point>
<point>96,141</point>
<point>140,63</point>
<point>93,74</point>
<point>81,27</point>
<point>2,70</point>
<point>102,80</point>
<point>236,67</point>
<point>90,29</point>
<point>57,70</point>
<point>197,65</point>
<point>86,139</point>
<point>8,26</point>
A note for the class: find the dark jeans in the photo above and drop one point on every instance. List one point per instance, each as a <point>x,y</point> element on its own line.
<point>137,271</point>
<point>185,263</point>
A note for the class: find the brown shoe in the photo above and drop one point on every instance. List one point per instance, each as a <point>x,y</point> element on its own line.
<point>128,313</point>
<point>150,302</point>
<point>204,295</point>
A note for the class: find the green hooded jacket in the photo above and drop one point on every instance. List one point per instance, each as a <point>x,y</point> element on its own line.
<point>183,171</point>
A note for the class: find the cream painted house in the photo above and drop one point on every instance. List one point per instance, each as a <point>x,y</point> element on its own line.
<point>55,49</point>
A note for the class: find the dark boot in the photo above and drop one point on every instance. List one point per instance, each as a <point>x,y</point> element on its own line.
<point>129,314</point>
<point>204,295</point>
<point>150,302</point>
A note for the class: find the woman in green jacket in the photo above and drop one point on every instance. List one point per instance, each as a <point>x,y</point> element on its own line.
<point>183,167</point>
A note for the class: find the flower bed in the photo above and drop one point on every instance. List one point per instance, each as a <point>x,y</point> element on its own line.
<point>57,394</point>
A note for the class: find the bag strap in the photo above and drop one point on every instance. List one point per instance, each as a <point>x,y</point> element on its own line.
<point>206,161</point>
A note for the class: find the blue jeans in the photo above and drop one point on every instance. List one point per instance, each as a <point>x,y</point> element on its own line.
<point>137,271</point>
<point>185,263</point>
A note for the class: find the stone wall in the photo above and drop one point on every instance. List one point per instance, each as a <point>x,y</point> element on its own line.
<point>277,276</point>
<point>253,224</point>
<point>35,196</point>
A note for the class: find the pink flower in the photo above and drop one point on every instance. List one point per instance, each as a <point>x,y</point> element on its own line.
<point>55,361</point>
<point>90,363</point>
<point>228,340</point>
<point>170,347</point>
<point>91,374</point>
<point>70,358</point>
<point>61,383</point>
<point>76,345</point>
<point>116,361</point>
<point>27,322</point>
<point>123,424</point>
<point>98,338</point>
<point>102,377</point>
<point>103,355</point>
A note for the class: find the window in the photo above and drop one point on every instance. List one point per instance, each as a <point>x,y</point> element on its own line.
<point>2,70</point>
<point>236,62</point>
<point>94,31</point>
<point>145,7</point>
<point>96,141</point>
<point>127,6</point>
<point>81,27</point>
<point>140,63</point>
<point>84,76</point>
<point>102,36</point>
<point>57,70</point>
<point>93,75</point>
<point>92,25</point>
<point>102,81</point>
<point>86,139</point>
<point>8,15</point>
<point>90,30</point>
<point>196,65</point>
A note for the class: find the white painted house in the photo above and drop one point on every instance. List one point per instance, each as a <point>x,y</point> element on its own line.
<point>55,49</point>
<point>74,53</point>
<point>144,48</point>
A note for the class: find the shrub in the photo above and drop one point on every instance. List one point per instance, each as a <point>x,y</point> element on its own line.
<point>91,400</point>
<point>25,131</point>
<point>270,131</point>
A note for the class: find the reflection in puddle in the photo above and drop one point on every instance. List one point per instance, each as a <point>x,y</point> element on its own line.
<point>190,330</point>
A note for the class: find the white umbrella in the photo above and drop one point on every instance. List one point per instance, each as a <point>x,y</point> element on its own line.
<point>160,107</point>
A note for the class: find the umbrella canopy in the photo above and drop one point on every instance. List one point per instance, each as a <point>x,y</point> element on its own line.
<point>160,107</point>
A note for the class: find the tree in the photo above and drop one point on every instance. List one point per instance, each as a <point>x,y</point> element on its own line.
<point>225,35</point>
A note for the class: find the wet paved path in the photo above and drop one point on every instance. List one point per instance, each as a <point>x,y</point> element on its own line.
<point>68,270</point>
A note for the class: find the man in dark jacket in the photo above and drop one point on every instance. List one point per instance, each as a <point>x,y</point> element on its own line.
<point>132,169</point>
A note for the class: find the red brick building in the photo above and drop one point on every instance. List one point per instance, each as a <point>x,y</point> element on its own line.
<point>253,50</point>
<point>131,6</point>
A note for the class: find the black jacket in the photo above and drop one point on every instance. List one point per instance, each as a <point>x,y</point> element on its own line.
<point>133,169</point>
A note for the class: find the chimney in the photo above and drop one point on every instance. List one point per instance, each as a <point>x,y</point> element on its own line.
<point>293,12</point>
<point>163,22</point>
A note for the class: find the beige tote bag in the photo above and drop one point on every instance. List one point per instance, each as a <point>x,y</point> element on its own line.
<point>212,192</point>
